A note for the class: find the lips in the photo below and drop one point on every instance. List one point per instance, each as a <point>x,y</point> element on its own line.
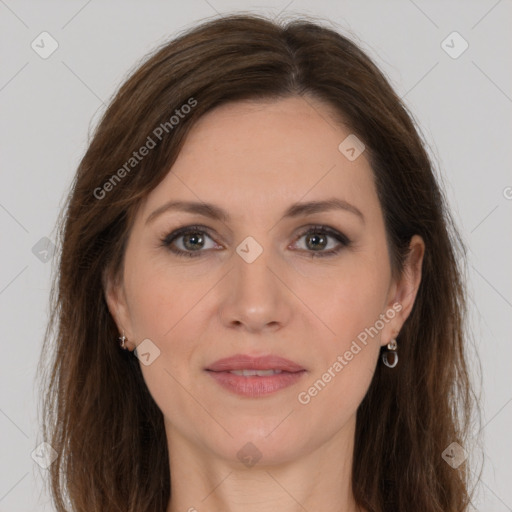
<point>255,377</point>
<point>240,362</point>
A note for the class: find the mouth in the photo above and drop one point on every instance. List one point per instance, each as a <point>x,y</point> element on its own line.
<point>251,373</point>
<point>254,377</point>
<point>243,362</point>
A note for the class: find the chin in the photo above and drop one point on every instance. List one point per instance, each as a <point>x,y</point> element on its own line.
<point>260,443</point>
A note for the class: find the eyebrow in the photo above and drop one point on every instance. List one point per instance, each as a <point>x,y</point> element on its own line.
<point>295,210</point>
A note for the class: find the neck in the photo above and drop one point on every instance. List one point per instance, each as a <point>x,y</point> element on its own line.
<point>203,481</point>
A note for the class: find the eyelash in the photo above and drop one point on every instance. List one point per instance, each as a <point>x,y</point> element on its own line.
<point>317,229</point>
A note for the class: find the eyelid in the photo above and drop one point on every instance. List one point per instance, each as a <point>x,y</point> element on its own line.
<point>168,239</point>
<point>312,228</point>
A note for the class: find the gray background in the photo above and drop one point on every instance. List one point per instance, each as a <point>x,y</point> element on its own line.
<point>463,107</point>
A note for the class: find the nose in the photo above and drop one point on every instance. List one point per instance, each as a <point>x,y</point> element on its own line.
<point>255,297</point>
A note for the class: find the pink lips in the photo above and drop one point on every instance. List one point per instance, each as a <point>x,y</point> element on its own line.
<point>255,385</point>
<point>245,362</point>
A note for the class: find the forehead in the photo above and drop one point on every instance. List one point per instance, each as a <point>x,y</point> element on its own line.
<point>266,155</point>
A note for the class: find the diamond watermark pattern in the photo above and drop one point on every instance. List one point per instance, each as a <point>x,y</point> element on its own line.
<point>44,249</point>
<point>146,352</point>
<point>454,455</point>
<point>44,455</point>
<point>351,147</point>
<point>454,45</point>
<point>44,45</point>
<point>249,454</point>
<point>249,249</point>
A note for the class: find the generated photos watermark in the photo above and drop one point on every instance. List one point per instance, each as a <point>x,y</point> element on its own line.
<point>152,141</point>
<point>304,397</point>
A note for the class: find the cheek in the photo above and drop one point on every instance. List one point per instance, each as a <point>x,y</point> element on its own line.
<point>162,308</point>
<point>160,295</point>
<point>348,354</point>
<point>352,298</point>
<point>152,310</point>
<point>346,360</point>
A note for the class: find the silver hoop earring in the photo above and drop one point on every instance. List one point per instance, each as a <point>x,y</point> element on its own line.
<point>122,340</point>
<point>390,356</point>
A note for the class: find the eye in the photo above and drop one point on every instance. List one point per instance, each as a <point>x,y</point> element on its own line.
<point>316,239</point>
<point>188,241</point>
<point>191,240</point>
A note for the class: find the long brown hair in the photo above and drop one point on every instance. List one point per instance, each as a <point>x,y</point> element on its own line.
<point>98,414</point>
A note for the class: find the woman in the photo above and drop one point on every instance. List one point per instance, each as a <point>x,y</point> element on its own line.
<point>257,220</point>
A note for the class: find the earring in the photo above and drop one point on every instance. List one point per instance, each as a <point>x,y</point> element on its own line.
<point>122,340</point>
<point>390,356</point>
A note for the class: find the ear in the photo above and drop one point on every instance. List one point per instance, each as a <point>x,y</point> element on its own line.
<point>115,297</point>
<point>402,294</point>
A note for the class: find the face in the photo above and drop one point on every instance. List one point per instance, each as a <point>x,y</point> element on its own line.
<point>309,284</point>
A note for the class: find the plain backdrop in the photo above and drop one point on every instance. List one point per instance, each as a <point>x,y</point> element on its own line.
<point>461,99</point>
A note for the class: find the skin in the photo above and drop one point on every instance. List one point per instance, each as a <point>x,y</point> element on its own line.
<point>254,159</point>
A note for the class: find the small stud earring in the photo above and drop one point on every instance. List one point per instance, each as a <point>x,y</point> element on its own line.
<point>122,340</point>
